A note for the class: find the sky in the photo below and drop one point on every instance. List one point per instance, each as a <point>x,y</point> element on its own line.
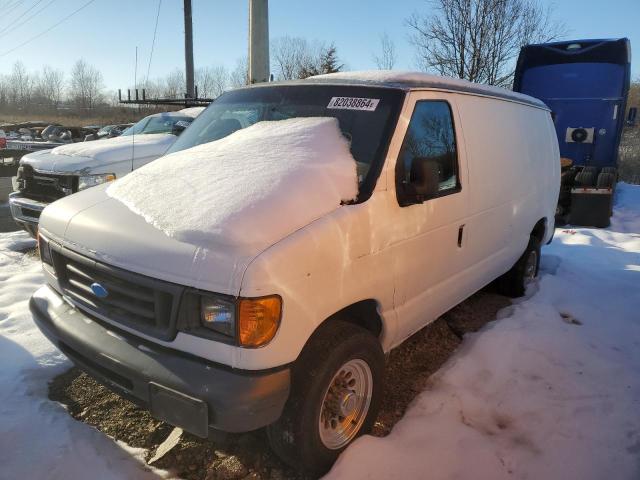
<point>106,33</point>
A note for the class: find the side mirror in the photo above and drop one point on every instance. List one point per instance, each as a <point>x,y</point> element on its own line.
<point>179,127</point>
<point>424,178</point>
<point>631,117</point>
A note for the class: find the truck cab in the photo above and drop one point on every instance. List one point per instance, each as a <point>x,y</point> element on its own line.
<point>585,83</point>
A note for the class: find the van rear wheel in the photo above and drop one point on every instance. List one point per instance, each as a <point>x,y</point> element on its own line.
<point>514,283</point>
<point>335,396</point>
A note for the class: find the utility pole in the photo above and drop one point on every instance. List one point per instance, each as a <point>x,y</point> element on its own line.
<point>258,41</point>
<point>188,48</point>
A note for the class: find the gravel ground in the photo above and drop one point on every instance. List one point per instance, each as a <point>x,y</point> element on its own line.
<point>248,456</point>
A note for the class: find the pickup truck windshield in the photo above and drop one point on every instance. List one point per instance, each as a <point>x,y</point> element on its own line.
<point>161,124</point>
<point>366,115</point>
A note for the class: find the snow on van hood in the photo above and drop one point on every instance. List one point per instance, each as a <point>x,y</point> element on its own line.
<point>247,190</point>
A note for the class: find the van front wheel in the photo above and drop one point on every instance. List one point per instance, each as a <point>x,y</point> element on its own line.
<point>514,283</point>
<point>335,395</point>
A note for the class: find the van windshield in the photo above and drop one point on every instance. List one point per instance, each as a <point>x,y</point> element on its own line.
<point>160,124</point>
<point>366,116</point>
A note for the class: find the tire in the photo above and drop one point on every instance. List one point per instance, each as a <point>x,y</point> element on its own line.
<point>514,283</point>
<point>605,180</point>
<point>585,179</point>
<point>591,168</point>
<point>567,178</point>
<point>296,436</point>
<point>613,170</point>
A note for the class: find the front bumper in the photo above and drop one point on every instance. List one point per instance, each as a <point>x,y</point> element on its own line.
<point>181,389</point>
<point>26,211</point>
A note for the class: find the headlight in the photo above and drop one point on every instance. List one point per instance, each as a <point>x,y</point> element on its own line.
<point>247,322</point>
<point>218,314</point>
<point>88,181</point>
<point>44,250</point>
<point>258,320</point>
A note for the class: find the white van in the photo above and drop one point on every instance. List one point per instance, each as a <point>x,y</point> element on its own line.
<point>258,280</point>
<point>47,175</point>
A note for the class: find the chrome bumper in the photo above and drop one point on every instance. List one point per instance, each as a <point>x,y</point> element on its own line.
<point>26,211</point>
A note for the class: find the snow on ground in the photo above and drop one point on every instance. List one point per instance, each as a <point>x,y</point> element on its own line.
<point>531,396</point>
<point>534,395</point>
<point>245,184</point>
<point>38,439</point>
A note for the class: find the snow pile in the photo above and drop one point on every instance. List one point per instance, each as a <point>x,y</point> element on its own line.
<point>119,147</point>
<point>38,439</point>
<point>249,189</point>
<point>625,216</point>
<point>550,391</point>
<point>433,81</point>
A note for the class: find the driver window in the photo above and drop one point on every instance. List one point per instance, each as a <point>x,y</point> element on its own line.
<point>431,137</point>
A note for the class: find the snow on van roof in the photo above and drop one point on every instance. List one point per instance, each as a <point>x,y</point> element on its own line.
<point>247,190</point>
<point>406,79</point>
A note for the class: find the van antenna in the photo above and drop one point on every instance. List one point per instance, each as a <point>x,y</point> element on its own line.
<point>133,131</point>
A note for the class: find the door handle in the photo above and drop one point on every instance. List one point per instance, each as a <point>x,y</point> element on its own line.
<point>460,235</point>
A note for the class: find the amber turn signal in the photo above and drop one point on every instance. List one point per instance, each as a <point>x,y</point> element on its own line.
<point>258,320</point>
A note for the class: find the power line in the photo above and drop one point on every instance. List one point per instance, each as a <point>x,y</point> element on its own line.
<point>19,17</point>
<point>153,43</point>
<point>14,27</point>
<point>47,30</point>
<point>10,8</point>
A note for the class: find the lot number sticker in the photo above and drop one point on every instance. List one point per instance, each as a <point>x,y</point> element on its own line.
<point>353,103</point>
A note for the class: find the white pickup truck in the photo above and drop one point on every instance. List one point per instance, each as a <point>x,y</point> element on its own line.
<point>48,175</point>
<point>256,275</point>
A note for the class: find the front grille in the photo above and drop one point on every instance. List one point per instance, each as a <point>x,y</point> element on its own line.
<point>46,187</point>
<point>145,304</point>
<point>30,212</point>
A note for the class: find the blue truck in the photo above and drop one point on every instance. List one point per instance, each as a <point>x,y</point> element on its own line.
<point>586,84</point>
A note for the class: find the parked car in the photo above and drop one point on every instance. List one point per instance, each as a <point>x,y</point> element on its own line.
<point>109,131</point>
<point>259,280</point>
<point>46,176</point>
<point>36,138</point>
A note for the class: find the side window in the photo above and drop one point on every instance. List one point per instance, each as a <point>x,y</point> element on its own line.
<point>428,163</point>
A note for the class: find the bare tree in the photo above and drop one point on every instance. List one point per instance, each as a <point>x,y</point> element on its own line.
<point>239,76</point>
<point>85,85</point>
<point>20,86</point>
<point>326,62</point>
<point>292,54</point>
<point>295,57</point>
<point>50,86</point>
<point>478,40</point>
<point>212,81</point>
<point>175,85</point>
<point>388,56</point>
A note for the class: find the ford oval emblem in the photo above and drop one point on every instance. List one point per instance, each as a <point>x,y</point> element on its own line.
<point>98,290</point>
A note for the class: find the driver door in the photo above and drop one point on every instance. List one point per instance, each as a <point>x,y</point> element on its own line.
<point>429,219</point>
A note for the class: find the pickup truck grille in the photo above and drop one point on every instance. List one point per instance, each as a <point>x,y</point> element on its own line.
<point>145,304</point>
<point>46,187</point>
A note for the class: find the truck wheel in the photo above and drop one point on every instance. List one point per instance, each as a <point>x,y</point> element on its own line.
<point>514,283</point>
<point>605,180</point>
<point>585,179</point>
<point>335,395</point>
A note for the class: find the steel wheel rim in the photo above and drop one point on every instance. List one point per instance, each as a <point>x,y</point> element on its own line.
<point>345,404</point>
<point>530,267</point>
